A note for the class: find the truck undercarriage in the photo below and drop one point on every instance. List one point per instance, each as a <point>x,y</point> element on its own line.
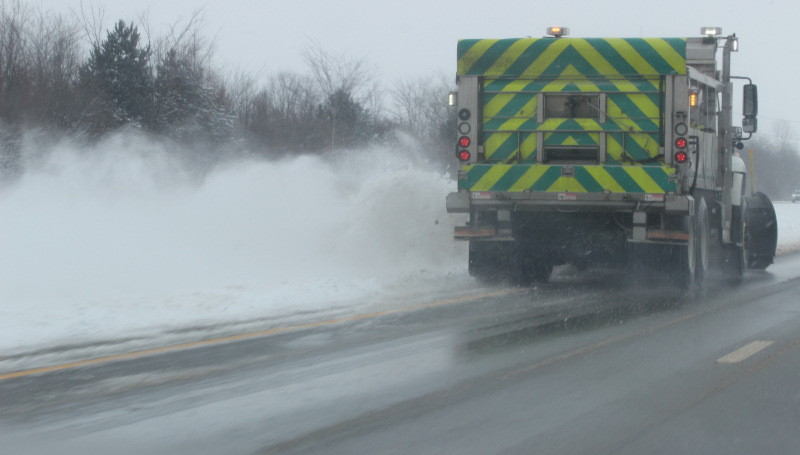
<point>523,246</point>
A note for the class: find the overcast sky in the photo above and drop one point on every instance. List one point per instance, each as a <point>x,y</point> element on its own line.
<point>418,37</point>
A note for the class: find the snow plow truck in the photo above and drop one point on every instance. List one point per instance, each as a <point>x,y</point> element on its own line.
<point>606,152</point>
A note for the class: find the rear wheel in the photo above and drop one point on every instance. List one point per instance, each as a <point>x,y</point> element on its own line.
<point>534,262</point>
<point>702,244</point>
<point>536,270</point>
<point>684,258</point>
<point>762,232</point>
<point>494,262</point>
<point>485,262</point>
<point>735,261</point>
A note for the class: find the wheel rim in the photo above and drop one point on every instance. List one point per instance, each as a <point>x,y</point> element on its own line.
<point>744,239</point>
<point>691,250</point>
<point>704,253</point>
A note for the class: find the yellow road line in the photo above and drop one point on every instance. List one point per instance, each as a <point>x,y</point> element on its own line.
<point>243,336</point>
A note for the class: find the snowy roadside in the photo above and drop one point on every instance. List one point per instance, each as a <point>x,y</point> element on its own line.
<point>118,248</point>
<point>71,332</point>
<point>788,227</point>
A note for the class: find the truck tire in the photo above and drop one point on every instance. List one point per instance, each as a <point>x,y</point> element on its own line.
<point>484,262</point>
<point>491,263</point>
<point>684,258</point>
<point>762,232</point>
<point>735,254</point>
<point>537,270</point>
<point>702,232</point>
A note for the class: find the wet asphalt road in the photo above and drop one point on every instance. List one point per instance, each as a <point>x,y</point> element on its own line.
<point>589,365</point>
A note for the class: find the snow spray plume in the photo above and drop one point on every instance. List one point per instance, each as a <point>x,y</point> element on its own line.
<point>126,223</point>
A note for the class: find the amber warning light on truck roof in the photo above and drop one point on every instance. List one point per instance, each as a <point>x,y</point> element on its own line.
<point>557,31</point>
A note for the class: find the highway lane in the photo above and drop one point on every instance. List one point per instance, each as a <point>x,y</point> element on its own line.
<point>593,364</point>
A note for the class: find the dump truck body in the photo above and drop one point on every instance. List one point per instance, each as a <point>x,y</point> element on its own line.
<point>596,151</point>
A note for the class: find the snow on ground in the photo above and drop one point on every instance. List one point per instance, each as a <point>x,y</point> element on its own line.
<point>788,227</point>
<point>122,242</point>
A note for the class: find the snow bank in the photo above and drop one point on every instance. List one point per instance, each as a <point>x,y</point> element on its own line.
<point>122,241</point>
<point>788,227</point>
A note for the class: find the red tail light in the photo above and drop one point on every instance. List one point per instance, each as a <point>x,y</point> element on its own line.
<point>680,142</point>
<point>681,157</point>
<point>463,155</point>
<point>464,141</point>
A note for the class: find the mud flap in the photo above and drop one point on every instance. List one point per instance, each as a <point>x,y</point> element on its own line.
<point>762,230</point>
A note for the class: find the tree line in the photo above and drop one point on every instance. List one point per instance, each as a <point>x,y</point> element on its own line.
<point>67,75</point>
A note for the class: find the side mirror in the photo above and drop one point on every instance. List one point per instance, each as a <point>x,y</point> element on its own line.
<point>750,108</point>
<point>737,132</point>
<point>750,124</point>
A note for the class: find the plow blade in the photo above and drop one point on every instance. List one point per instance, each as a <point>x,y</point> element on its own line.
<point>763,232</point>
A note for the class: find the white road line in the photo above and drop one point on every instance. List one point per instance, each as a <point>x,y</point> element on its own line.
<point>744,352</point>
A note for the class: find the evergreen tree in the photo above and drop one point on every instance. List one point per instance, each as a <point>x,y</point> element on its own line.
<point>119,78</point>
<point>185,108</point>
<point>349,121</point>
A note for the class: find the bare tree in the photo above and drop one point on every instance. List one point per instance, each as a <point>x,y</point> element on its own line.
<point>14,75</point>
<point>185,39</point>
<point>240,89</point>
<point>345,83</point>
<point>91,17</point>
<point>420,110</point>
<point>420,105</point>
<point>55,53</point>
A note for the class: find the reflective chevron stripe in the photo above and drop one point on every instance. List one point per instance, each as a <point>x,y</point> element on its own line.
<point>592,179</point>
<point>503,143</point>
<point>500,147</point>
<point>611,57</point>
<point>514,71</point>
<point>494,85</point>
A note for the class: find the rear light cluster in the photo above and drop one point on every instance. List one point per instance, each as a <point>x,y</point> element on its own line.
<point>681,156</point>
<point>463,141</point>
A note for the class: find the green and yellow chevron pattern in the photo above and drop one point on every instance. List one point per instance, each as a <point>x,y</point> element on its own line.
<point>502,146</point>
<point>612,58</point>
<point>587,179</point>
<point>513,71</point>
